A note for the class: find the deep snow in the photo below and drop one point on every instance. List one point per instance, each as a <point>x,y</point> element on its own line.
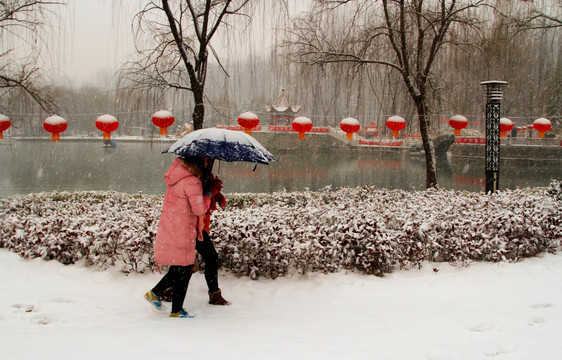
<point>484,311</point>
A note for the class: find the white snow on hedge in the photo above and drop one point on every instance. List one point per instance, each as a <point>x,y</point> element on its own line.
<point>364,229</point>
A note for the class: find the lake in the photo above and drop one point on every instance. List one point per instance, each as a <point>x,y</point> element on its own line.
<point>36,166</point>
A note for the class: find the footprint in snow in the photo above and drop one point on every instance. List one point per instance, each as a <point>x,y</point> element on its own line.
<point>541,306</point>
<point>536,320</point>
<point>24,307</point>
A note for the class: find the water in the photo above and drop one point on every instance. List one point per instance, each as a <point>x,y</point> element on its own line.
<point>36,166</point>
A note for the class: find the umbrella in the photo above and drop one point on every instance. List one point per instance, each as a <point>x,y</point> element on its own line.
<point>221,144</point>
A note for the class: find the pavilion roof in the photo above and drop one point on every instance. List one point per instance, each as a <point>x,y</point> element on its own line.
<point>283,104</point>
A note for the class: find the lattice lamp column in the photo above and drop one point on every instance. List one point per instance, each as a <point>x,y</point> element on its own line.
<point>494,94</point>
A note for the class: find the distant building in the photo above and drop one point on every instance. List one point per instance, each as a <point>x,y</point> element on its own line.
<point>282,112</point>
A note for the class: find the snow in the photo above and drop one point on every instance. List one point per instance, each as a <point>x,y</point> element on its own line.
<point>459,118</point>
<point>485,311</point>
<point>248,116</point>
<point>350,121</point>
<point>506,121</point>
<point>3,118</point>
<point>54,120</point>
<point>216,141</point>
<point>396,118</point>
<point>542,121</point>
<point>438,310</point>
<point>163,114</point>
<point>106,118</point>
<point>302,120</point>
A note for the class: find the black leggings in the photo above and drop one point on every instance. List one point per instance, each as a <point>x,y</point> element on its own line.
<point>177,278</point>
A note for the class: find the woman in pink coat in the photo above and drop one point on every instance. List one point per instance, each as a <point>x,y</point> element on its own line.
<point>181,224</point>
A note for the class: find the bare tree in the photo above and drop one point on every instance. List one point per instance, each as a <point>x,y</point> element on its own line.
<point>544,14</point>
<point>182,31</point>
<point>20,23</point>
<point>404,35</point>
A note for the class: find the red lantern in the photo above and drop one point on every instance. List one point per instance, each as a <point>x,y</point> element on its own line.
<point>248,121</point>
<point>302,125</point>
<point>107,123</point>
<point>163,119</point>
<point>4,124</point>
<point>395,123</point>
<point>542,125</point>
<point>350,126</point>
<point>55,125</point>
<point>458,122</point>
<point>505,126</point>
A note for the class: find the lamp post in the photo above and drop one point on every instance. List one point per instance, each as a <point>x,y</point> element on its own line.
<point>494,93</point>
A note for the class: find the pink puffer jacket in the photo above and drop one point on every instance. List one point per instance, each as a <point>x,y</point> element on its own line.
<point>177,230</point>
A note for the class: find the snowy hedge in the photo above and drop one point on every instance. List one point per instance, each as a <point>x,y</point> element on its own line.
<point>362,229</point>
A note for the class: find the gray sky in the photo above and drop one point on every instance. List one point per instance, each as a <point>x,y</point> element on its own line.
<point>92,40</point>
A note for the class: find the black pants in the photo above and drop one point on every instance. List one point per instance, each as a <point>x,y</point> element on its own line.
<point>211,259</point>
<point>178,277</point>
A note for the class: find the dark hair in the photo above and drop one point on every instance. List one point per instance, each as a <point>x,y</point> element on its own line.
<point>195,160</point>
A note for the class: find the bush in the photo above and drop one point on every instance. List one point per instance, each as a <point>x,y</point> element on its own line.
<point>373,231</point>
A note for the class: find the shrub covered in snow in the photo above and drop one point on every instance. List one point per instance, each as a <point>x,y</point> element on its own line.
<point>362,229</point>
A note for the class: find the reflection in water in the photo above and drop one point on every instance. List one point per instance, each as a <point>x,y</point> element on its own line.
<point>27,166</point>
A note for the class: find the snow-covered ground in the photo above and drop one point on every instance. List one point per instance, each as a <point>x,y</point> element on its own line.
<point>484,311</point>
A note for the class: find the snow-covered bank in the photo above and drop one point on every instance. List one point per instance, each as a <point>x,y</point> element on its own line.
<point>363,229</point>
<point>500,310</point>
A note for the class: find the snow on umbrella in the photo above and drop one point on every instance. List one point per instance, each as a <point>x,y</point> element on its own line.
<point>107,123</point>
<point>248,120</point>
<point>55,125</point>
<point>350,125</point>
<point>542,125</point>
<point>221,144</point>
<point>4,124</point>
<point>163,119</point>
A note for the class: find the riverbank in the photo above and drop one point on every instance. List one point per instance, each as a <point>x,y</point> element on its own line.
<point>535,149</point>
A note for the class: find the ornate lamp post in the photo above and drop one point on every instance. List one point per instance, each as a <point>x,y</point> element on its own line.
<point>494,94</point>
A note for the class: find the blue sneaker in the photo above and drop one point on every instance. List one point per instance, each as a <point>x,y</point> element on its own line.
<point>181,314</point>
<point>153,299</point>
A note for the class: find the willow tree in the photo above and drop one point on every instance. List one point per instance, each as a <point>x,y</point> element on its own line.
<point>173,39</point>
<point>405,35</point>
<point>21,22</point>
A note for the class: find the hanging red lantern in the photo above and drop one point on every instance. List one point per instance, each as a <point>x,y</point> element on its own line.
<point>542,125</point>
<point>505,126</point>
<point>4,124</point>
<point>163,119</point>
<point>107,123</point>
<point>395,123</point>
<point>248,120</point>
<point>55,125</point>
<point>302,125</point>
<point>350,126</point>
<point>458,122</point>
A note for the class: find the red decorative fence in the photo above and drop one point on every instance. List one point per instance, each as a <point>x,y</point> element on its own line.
<point>238,128</point>
<point>318,130</point>
<point>380,143</point>
<point>470,140</point>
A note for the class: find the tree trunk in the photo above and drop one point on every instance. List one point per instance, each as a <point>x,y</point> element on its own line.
<point>429,149</point>
<point>199,110</point>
